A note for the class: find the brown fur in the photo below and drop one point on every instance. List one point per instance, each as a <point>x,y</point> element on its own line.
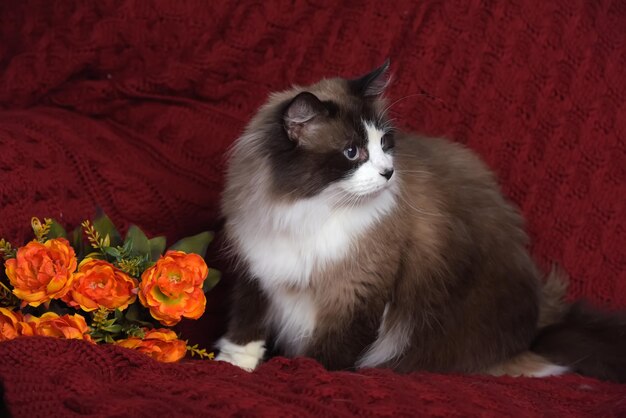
<point>591,343</point>
<point>475,302</point>
<point>553,305</point>
<point>450,259</point>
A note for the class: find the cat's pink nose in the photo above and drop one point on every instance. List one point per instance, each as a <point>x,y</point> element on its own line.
<point>387,174</point>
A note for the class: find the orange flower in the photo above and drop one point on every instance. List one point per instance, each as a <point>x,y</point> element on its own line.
<point>9,324</point>
<point>42,272</point>
<point>160,344</point>
<point>52,325</point>
<point>172,288</point>
<point>98,283</point>
<point>26,329</point>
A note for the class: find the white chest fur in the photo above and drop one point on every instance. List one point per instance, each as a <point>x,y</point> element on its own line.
<point>283,244</point>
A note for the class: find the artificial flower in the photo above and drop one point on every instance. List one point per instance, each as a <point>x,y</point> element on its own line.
<point>160,344</point>
<point>41,272</point>
<point>9,321</point>
<point>67,326</point>
<point>172,288</point>
<point>99,284</point>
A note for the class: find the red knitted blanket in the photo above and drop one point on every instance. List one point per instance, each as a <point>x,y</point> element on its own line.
<point>130,105</point>
<point>74,378</point>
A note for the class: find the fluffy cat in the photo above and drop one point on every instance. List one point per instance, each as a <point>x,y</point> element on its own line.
<point>362,246</point>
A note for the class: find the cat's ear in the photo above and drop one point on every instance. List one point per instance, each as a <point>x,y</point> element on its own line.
<point>372,84</point>
<point>302,113</point>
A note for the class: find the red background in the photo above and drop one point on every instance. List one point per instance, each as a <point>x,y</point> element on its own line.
<point>130,105</point>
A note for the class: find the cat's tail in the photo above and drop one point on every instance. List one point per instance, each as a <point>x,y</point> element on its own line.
<point>579,337</point>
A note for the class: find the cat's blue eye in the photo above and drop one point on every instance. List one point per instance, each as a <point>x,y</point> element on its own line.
<point>351,153</point>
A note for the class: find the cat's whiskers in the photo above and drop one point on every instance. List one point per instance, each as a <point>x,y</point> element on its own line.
<point>420,211</point>
<point>290,193</point>
<point>346,204</point>
<point>399,154</point>
<point>341,194</point>
<point>387,125</point>
<point>388,107</point>
<point>413,171</point>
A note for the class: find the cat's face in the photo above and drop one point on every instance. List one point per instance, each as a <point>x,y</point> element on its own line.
<point>333,137</point>
<point>375,169</point>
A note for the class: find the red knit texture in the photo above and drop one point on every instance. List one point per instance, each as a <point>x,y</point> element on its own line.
<point>75,378</point>
<point>130,105</point>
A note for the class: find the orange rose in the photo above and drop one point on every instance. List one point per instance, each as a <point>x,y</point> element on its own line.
<point>98,283</point>
<point>160,344</point>
<point>9,324</point>
<point>172,288</point>
<point>41,272</point>
<point>67,326</point>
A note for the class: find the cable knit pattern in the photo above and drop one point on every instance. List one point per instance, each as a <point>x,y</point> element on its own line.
<point>131,104</point>
<point>80,379</point>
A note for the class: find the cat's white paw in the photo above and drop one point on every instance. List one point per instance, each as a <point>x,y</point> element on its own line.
<point>246,357</point>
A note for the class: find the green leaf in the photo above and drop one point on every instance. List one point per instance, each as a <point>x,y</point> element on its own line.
<point>140,244</point>
<point>157,246</point>
<point>77,242</point>
<point>127,246</point>
<point>113,329</point>
<point>94,254</point>
<point>77,236</point>
<point>112,251</point>
<point>133,315</point>
<point>105,228</point>
<point>56,231</point>
<point>118,315</point>
<point>211,280</point>
<point>108,322</point>
<point>197,244</point>
<point>135,331</point>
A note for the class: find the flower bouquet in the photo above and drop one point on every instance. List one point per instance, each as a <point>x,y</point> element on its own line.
<point>96,286</point>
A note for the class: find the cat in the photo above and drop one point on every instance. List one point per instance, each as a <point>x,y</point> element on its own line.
<point>363,246</point>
